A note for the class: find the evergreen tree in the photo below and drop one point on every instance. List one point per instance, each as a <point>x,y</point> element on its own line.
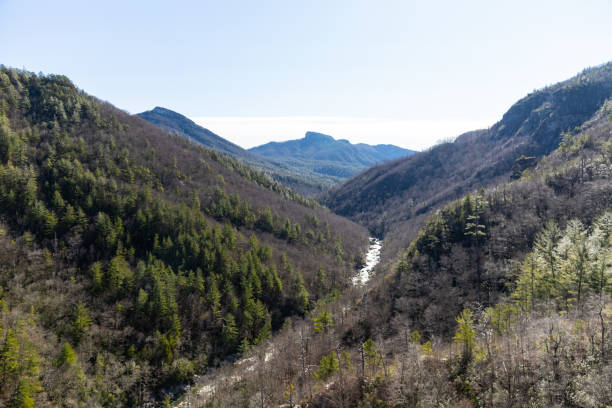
<point>22,397</point>
<point>546,247</point>
<point>466,334</point>
<point>81,322</point>
<point>327,366</point>
<point>9,354</point>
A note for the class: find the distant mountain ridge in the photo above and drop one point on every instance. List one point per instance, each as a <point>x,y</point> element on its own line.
<point>309,165</point>
<point>323,154</point>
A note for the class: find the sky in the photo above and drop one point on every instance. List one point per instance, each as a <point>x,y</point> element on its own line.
<point>402,72</point>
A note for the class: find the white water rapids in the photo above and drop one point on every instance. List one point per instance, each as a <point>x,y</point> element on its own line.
<point>372,259</point>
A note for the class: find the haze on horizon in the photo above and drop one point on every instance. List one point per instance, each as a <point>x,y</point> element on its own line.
<point>252,131</point>
<point>374,72</point>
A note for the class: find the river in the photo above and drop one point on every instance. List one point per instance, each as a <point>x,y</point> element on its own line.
<point>372,259</point>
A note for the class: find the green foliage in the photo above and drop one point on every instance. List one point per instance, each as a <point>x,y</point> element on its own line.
<point>426,348</point>
<point>529,285</point>
<point>371,354</point>
<point>466,333</point>
<point>502,316</point>
<point>230,332</point>
<point>323,321</point>
<point>67,357</point>
<point>143,233</point>
<point>328,366</point>
<point>80,323</point>
<point>301,295</point>
<point>97,276</point>
<point>415,337</point>
<point>321,280</point>
<point>9,353</point>
<point>565,265</point>
<point>22,397</point>
<point>345,361</point>
<point>463,221</point>
<point>118,273</point>
<point>19,362</point>
<point>181,370</point>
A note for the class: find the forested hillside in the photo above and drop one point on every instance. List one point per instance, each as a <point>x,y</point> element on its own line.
<point>503,299</point>
<point>468,251</point>
<point>388,194</point>
<point>132,258</point>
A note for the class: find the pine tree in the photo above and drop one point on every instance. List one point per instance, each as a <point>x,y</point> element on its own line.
<point>81,322</point>
<point>546,247</point>
<point>529,286</point>
<point>577,260</point>
<point>323,322</point>
<point>22,396</point>
<point>328,366</point>
<point>67,357</point>
<point>465,334</point>
<point>229,332</point>
<point>9,353</point>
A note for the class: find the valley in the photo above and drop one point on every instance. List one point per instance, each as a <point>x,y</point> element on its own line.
<point>485,298</point>
<point>153,263</point>
<point>320,204</point>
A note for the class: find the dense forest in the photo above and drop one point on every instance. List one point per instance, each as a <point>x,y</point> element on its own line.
<point>133,259</point>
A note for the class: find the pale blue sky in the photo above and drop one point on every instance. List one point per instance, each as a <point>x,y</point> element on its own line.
<point>398,72</point>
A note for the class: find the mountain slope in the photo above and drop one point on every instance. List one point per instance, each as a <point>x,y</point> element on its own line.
<point>387,194</point>
<point>132,258</point>
<point>467,252</point>
<point>323,154</point>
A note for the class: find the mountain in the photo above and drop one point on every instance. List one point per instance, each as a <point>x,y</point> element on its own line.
<point>322,154</point>
<point>309,166</point>
<point>388,194</point>
<point>132,259</point>
<point>503,298</point>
